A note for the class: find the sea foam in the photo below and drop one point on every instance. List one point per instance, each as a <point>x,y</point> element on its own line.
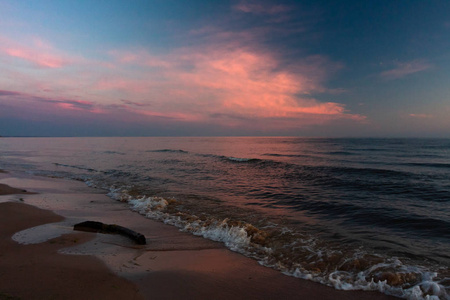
<point>390,276</point>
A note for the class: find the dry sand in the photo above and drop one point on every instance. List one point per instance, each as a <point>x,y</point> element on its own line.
<point>173,265</point>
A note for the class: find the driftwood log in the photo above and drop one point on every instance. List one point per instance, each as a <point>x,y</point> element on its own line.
<point>93,226</point>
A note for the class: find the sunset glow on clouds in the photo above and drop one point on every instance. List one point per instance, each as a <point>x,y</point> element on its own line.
<point>230,81</point>
<point>197,83</point>
<point>227,80</point>
<point>38,53</point>
<point>222,73</point>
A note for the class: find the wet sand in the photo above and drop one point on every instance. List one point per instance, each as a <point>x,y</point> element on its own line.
<point>173,265</point>
<point>38,272</point>
<point>7,190</point>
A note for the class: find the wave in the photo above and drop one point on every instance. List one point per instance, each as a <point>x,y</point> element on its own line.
<point>238,159</point>
<point>113,152</point>
<point>369,171</point>
<point>294,253</point>
<point>335,171</point>
<point>76,167</point>
<point>340,153</point>
<point>379,180</point>
<point>168,151</point>
<point>286,155</point>
<point>370,149</point>
<point>432,165</point>
<point>230,158</point>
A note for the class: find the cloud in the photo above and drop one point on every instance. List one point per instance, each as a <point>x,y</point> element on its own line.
<point>8,93</point>
<point>23,99</point>
<point>39,53</point>
<point>76,105</point>
<point>225,73</point>
<point>132,103</point>
<point>421,116</point>
<point>222,79</point>
<point>33,107</point>
<point>406,68</point>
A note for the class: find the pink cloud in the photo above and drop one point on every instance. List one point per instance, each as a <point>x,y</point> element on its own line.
<point>77,105</point>
<point>40,59</point>
<point>39,53</point>
<point>421,116</point>
<point>403,69</point>
<point>8,93</point>
<point>250,83</point>
<point>19,99</point>
<point>227,79</point>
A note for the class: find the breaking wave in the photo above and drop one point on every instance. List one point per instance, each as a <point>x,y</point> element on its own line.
<point>296,254</point>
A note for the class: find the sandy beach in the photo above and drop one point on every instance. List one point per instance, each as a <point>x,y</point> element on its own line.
<point>41,257</point>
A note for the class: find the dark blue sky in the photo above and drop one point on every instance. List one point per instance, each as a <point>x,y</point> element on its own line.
<point>308,68</point>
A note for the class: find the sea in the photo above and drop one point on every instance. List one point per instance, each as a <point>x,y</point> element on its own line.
<point>351,213</point>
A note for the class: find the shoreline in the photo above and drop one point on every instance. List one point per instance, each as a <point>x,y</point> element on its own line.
<point>173,264</point>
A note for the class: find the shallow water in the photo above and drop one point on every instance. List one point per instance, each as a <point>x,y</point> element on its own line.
<point>352,213</point>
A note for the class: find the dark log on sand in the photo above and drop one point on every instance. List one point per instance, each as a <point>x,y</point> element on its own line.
<point>93,226</point>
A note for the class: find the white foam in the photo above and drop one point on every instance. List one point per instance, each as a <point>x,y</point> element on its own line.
<point>237,239</point>
<point>426,289</point>
<point>118,194</point>
<point>144,205</point>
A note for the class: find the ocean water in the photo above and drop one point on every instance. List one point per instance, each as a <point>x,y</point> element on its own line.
<point>369,214</point>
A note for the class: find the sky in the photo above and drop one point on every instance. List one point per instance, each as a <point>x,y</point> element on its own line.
<point>339,68</point>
